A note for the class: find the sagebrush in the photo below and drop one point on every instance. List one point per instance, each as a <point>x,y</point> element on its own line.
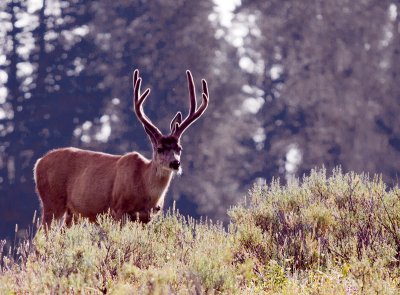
<point>324,235</point>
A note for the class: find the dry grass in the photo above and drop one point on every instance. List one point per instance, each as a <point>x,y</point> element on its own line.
<point>325,235</point>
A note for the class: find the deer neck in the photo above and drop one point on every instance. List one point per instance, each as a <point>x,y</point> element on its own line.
<point>157,183</point>
<point>159,172</point>
<point>158,177</point>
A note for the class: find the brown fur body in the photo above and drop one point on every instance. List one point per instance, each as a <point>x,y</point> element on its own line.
<point>75,182</point>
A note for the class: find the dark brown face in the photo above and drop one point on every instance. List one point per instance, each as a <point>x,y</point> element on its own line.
<point>168,153</point>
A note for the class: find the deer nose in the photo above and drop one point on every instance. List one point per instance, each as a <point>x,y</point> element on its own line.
<point>175,164</point>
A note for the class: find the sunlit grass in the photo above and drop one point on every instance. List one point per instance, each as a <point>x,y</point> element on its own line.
<point>325,235</point>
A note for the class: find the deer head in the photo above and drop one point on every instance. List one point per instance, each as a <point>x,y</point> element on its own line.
<point>167,148</point>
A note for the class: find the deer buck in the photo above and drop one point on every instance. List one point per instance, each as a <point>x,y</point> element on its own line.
<point>72,182</point>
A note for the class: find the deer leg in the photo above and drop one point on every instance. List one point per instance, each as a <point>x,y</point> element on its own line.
<point>145,216</point>
<point>70,218</point>
<point>142,216</point>
<point>117,214</point>
<point>52,211</point>
<point>53,204</point>
<point>48,218</point>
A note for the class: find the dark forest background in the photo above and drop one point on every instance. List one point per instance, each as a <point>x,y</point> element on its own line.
<point>293,85</point>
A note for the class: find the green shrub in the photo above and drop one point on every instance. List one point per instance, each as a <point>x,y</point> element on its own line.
<point>326,235</point>
<point>324,223</point>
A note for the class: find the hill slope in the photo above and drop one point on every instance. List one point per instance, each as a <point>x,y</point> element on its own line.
<point>325,235</point>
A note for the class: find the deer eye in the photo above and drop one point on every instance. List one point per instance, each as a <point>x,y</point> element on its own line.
<point>160,150</point>
<point>178,149</point>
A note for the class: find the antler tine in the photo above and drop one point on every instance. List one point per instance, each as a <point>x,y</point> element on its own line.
<point>194,113</point>
<point>176,120</point>
<point>138,101</point>
<point>135,77</point>
<point>205,88</point>
<point>192,93</point>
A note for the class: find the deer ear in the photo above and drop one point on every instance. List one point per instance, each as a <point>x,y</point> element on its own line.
<point>176,119</point>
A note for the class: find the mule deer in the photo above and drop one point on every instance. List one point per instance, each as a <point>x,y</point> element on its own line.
<point>73,182</point>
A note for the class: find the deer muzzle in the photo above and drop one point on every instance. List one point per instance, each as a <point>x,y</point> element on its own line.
<point>175,164</point>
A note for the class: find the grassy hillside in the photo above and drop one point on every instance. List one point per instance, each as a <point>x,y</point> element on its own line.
<point>336,235</point>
